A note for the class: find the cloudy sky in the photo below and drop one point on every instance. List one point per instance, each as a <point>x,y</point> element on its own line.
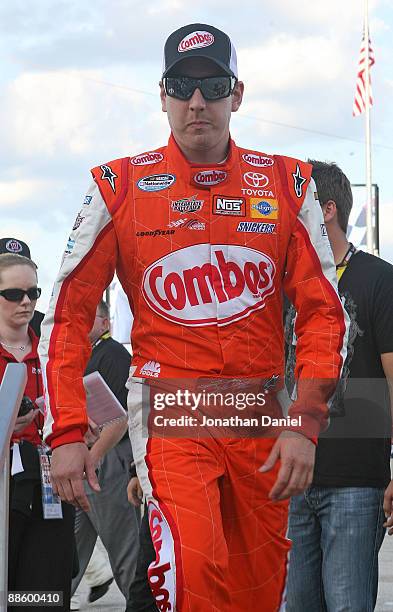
<point>79,87</point>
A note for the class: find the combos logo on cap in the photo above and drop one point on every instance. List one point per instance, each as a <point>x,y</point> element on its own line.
<point>156,182</point>
<point>195,40</point>
<point>206,284</point>
<point>258,160</point>
<point>264,209</point>
<point>147,158</point>
<point>13,246</point>
<point>208,178</point>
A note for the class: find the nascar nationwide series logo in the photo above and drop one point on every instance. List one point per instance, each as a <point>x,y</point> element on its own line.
<point>195,40</point>
<point>206,284</point>
<point>208,178</point>
<point>156,182</point>
<point>161,574</point>
<point>260,161</point>
<point>145,159</point>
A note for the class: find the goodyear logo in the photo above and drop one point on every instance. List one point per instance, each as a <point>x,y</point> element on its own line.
<point>264,208</point>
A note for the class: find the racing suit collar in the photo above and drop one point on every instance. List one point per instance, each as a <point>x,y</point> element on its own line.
<point>202,175</point>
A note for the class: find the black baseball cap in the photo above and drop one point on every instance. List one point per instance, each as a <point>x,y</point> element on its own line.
<point>200,40</point>
<point>12,245</point>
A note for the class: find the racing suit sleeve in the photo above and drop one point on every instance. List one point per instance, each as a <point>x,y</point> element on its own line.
<point>322,323</point>
<point>87,268</point>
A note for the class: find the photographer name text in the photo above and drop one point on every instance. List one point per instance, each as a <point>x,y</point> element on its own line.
<point>232,421</point>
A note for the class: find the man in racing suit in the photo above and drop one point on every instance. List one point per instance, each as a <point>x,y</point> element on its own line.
<point>204,236</point>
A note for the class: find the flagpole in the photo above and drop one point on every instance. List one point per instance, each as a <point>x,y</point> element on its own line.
<point>369,203</point>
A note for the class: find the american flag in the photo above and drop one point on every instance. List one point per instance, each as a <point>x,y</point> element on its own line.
<point>359,105</point>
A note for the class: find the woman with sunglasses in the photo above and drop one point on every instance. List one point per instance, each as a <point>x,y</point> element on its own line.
<point>40,550</point>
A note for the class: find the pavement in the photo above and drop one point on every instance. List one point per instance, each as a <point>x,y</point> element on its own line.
<point>114,601</point>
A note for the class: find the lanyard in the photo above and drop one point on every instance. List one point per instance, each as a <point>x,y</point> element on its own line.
<point>341,267</point>
<point>104,336</point>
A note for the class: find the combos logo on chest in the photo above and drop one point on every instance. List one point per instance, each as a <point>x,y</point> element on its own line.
<point>144,159</point>
<point>206,284</point>
<point>260,161</point>
<point>195,40</point>
<point>209,178</point>
<point>156,182</point>
<point>187,205</point>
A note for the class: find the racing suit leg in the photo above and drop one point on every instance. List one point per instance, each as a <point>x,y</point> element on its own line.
<point>190,571</point>
<point>219,541</point>
<point>254,528</point>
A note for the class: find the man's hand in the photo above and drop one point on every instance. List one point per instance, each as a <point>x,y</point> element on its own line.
<point>387,507</point>
<point>92,434</point>
<point>134,492</point>
<point>297,454</point>
<point>23,421</point>
<point>69,464</point>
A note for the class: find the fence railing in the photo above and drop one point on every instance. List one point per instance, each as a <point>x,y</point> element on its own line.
<point>11,393</point>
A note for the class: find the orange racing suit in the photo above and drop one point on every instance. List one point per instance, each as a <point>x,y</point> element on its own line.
<point>203,254</point>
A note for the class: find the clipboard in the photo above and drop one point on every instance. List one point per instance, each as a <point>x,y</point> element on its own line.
<point>103,407</point>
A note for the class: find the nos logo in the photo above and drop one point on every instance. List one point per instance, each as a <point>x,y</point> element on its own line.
<point>229,206</point>
<point>223,284</point>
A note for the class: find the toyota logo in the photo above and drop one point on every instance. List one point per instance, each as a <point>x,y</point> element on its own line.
<point>254,179</point>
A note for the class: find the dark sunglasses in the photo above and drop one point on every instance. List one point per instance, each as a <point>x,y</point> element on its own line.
<point>17,295</point>
<point>212,88</point>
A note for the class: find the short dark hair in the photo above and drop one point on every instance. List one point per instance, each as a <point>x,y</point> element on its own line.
<point>103,309</point>
<point>332,184</point>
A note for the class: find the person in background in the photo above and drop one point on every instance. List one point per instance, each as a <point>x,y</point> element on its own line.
<point>40,553</point>
<point>337,524</point>
<point>140,598</point>
<point>98,575</point>
<point>110,515</point>
<point>18,247</point>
